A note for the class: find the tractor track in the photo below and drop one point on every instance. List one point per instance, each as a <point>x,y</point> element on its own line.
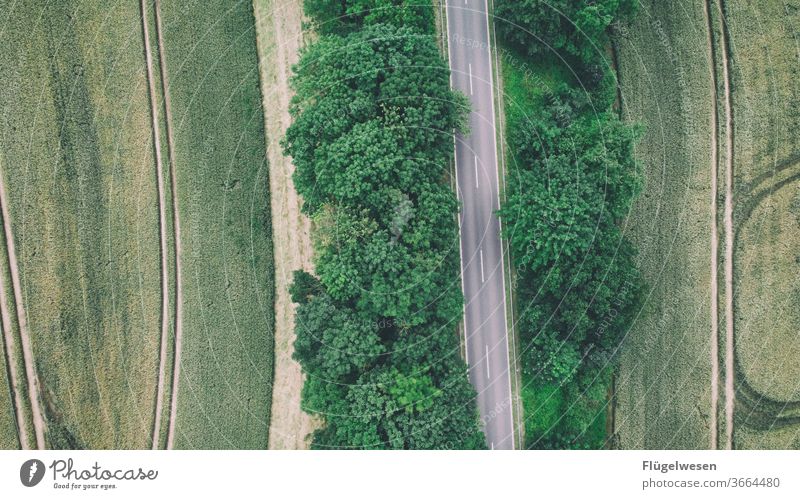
<point>723,58</point>
<point>162,220</point>
<point>27,351</point>
<point>173,406</point>
<point>714,234</point>
<point>176,234</point>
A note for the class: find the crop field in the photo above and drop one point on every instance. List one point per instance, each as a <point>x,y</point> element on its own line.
<point>223,194</point>
<point>9,436</point>
<point>739,182</point>
<point>663,386</point>
<point>94,260</point>
<point>78,169</point>
<point>766,261</point>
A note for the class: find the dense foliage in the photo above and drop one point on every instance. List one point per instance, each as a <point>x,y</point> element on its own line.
<point>570,185</point>
<point>376,328</point>
<point>575,179</point>
<point>344,16</point>
<point>576,28</point>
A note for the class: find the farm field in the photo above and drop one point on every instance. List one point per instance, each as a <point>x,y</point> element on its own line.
<point>747,164</point>
<point>9,436</point>
<point>766,264</point>
<point>84,138</point>
<point>663,385</point>
<point>226,370</point>
<point>77,162</point>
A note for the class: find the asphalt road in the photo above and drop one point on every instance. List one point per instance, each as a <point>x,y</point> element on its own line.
<point>482,259</point>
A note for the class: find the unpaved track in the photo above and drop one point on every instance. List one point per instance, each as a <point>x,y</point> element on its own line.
<point>176,370</point>
<point>729,350</point>
<point>730,394</point>
<point>279,36</point>
<point>714,234</point>
<point>162,221</point>
<point>10,354</point>
<point>27,351</point>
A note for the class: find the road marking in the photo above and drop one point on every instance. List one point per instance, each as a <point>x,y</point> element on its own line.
<point>476,171</point>
<point>482,278</point>
<point>470,73</point>
<point>488,376</point>
<point>502,256</point>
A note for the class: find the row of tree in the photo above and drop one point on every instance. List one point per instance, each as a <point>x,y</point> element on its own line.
<point>569,189</point>
<point>371,141</point>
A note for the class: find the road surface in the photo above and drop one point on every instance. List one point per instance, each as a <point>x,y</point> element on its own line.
<point>482,259</point>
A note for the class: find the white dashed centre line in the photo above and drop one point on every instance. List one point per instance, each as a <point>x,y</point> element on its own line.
<point>470,77</point>
<point>488,376</point>
<point>482,278</point>
<point>476,172</point>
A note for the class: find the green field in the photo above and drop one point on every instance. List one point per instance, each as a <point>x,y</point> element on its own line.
<point>223,195</point>
<point>77,161</point>
<point>767,220</point>
<point>9,437</point>
<point>664,377</point>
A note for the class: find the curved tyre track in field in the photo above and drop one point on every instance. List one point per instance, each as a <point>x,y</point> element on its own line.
<point>173,407</point>
<point>162,220</point>
<point>27,351</point>
<point>758,410</point>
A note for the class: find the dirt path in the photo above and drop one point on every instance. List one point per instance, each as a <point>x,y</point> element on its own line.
<point>162,221</point>
<point>279,36</point>
<point>730,393</point>
<point>714,235</point>
<point>729,338</point>
<point>176,221</point>
<point>10,354</point>
<point>27,351</point>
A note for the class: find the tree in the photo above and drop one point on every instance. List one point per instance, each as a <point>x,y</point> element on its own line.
<point>376,332</point>
<point>577,28</point>
<point>332,342</point>
<point>344,16</point>
<point>575,181</point>
<point>304,286</point>
<point>382,74</point>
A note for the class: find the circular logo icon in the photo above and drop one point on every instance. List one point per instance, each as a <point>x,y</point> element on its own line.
<point>31,472</point>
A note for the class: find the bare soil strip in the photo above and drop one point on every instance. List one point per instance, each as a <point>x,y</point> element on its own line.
<point>27,351</point>
<point>714,234</point>
<point>11,357</point>
<point>729,351</point>
<point>176,371</point>
<point>279,35</point>
<point>162,221</point>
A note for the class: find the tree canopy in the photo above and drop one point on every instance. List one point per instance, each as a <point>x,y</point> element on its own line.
<point>576,28</point>
<point>376,333</point>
